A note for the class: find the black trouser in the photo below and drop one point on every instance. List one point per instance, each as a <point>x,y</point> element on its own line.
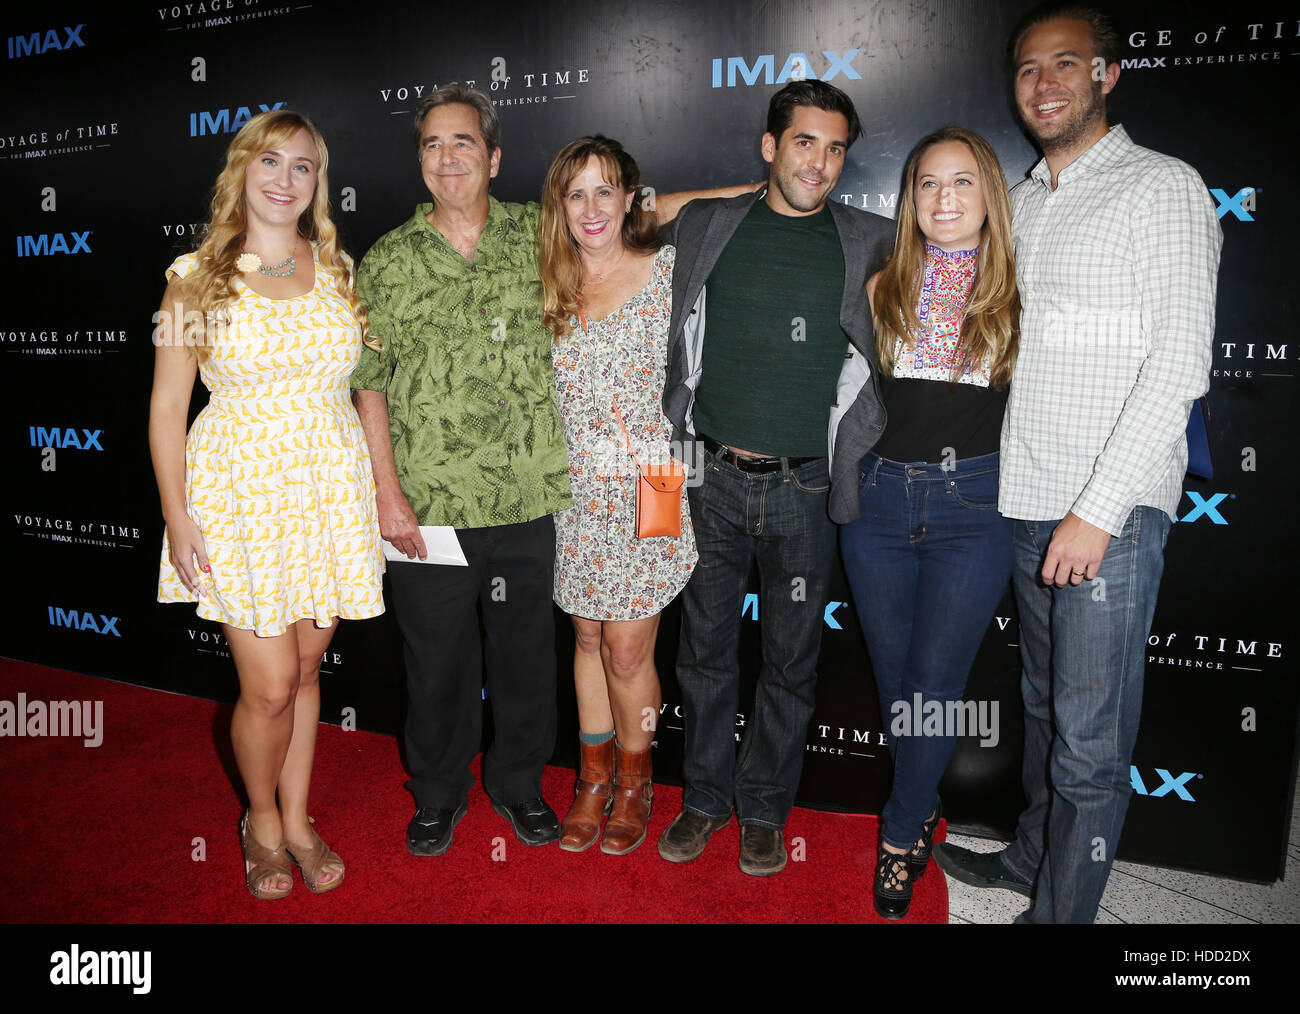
<point>508,583</point>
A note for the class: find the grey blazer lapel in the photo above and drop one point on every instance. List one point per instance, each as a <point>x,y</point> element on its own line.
<point>722,225</point>
<point>701,235</point>
<point>853,301</point>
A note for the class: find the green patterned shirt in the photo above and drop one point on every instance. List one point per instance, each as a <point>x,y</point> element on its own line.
<point>466,367</point>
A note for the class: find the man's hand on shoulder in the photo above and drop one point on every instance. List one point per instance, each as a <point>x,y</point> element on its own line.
<point>1075,552</point>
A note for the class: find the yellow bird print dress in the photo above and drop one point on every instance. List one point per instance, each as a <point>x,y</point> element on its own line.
<point>278,475</point>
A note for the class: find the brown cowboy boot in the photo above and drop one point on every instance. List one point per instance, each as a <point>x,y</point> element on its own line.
<point>633,796</point>
<point>591,801</point>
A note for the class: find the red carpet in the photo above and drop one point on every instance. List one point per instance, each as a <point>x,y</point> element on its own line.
<point>106,835</point>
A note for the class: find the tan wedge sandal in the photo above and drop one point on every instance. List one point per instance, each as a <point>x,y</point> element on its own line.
<point>261,863</point>
<point>311,861</point>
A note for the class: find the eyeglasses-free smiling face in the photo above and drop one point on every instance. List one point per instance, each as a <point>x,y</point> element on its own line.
<point>806,160</point>
<point>454,158</point>
<point>949,193</point>
<point>594,209</point>
<point>1059,100</point>
<point>279,185</point>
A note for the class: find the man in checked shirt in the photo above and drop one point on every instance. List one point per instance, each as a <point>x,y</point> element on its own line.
<point>1117,252</point>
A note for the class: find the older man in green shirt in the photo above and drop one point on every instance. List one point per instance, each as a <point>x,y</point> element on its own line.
<point>473,422</point>
<point>459,410</point>
<point>460,414</point>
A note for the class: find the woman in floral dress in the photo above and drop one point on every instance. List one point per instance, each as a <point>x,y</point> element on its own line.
<point>607,291</point>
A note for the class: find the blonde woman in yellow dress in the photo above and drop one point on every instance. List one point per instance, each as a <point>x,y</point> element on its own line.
<point>269,501</point>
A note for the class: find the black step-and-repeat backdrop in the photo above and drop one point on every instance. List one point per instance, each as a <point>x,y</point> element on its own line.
<point>114,124</point>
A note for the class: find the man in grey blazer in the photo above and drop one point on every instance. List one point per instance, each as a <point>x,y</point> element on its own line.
<point>784,272</point>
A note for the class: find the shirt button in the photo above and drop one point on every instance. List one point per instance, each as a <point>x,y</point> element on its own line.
<point>492,355</point>
<point>482,312</point>
<point>510,447</point>
<point>473,267</point>
<point>501,401</point>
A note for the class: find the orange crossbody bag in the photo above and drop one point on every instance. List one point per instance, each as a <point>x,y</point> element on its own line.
<point>658,493</point>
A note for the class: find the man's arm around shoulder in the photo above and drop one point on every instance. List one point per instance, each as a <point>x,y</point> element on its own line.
<point>693,213</point>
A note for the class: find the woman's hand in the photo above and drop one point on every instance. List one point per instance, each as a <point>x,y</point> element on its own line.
<point>188,553</point>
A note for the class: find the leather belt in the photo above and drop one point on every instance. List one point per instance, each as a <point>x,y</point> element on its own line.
<point>753,465</point>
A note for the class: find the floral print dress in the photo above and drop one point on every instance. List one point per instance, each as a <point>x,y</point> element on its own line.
<point>602,570</point>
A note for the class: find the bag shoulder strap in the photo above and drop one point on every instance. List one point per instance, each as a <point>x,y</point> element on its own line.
<point>626,439</point>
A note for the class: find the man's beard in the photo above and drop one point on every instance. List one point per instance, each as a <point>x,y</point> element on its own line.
<point>796,197</point>
<point>1078,125</point>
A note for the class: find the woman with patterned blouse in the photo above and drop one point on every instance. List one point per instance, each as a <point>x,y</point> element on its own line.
<point>607,296</point>
<point>930,556</point>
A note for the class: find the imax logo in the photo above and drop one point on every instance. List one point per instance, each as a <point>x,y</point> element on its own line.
<point>797,67</point>
<point>223,121</point>
<point>84,621</point>
<point>48,244</point>
<point>1241,204</point>
<point>38,42</point>
<point>1206,508</point>
<point>88,441</point>
<point>1168,784</point>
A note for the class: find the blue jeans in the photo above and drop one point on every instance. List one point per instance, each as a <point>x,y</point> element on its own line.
<point>928,561</point>
<point>778,519</point>
<point>1083,651</point>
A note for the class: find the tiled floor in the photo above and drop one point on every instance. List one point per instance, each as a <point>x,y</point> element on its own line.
<point>1149,894</point>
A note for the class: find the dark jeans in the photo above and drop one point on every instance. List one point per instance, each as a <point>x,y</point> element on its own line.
<point>928,561</point>
<point>778,519</point>
<point>1083,648</point>
<point>438,608</point>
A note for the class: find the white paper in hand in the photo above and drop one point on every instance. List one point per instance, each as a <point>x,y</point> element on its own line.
<point>439,541</point>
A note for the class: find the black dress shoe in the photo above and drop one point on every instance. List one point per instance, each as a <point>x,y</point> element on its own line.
<point>430,830</point>
<point>979,869</point>
<point>534,822</point>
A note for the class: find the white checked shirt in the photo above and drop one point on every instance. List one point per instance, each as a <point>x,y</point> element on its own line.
<point>1117,271</point>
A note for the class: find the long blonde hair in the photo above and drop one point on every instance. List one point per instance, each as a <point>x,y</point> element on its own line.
<point>211,286</point>
<point>990,327</point>
<point>557,251</point>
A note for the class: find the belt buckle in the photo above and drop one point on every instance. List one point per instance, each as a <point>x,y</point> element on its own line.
<point>756,466</point>
<point>742,462</point>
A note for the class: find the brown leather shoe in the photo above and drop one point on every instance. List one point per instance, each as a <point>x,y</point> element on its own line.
<point>762,851</point>
<point>633,800</point>
<point>591,798</point>
<point>684,839</point>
